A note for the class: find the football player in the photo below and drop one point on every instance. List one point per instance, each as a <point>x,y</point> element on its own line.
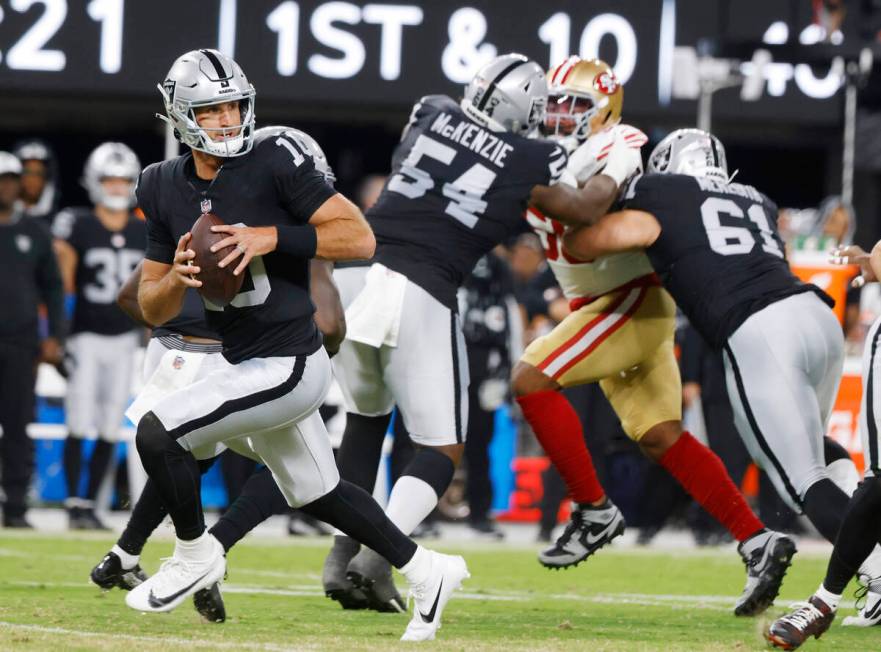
<point>861,527</point>
<point>715,247</point>
<point>186,349</point>
<point>620,333</point>
<point>97,250</point>
<point>461,178</point>
<point>278,373</point>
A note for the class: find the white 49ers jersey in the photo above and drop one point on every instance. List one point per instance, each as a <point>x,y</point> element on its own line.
<point>579,279</point>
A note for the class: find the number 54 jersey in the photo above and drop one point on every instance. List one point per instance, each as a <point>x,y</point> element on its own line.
<point>456,191</point>
<point>719,253</point>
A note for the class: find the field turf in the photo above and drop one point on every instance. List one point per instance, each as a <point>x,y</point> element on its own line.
<point>626,599</point>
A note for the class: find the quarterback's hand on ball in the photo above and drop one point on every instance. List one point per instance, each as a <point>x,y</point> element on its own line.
<point>855,255</point>
<point>249,241</point>
<point>183,268</point>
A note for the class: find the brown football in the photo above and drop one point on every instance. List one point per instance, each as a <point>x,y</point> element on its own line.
<point>219,285</point>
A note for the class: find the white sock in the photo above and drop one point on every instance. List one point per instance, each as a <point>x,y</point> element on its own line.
<point>828,597</point>
<point>418,568</point>
<point>196,550</point>
<point>128,560</point>
<point>411,501</point>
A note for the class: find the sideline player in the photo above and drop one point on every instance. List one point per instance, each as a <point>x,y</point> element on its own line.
<point>861,527</point>
<point>461,178</point>
<point>197,350</point>
<point>620,333</point>
<point>278,374</point>
<point>719,255</point>
<point>97,250</point>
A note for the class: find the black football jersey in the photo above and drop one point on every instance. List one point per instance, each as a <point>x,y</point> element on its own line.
<point>719,253</point>
<point>275,183</point>
<point>456,190</point>
<point>190,321</point>
<point>105,260</point>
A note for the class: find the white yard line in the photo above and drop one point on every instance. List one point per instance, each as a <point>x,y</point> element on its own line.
<point>722,603</point>
<point>160,640</point>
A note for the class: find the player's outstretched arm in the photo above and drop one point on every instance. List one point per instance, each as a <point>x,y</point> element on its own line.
<point>127,297</point>
<point>162,287</point>
<point>616,232</point>
<point>342,232</point>
<point>575,206</point>
<point>329,314</point>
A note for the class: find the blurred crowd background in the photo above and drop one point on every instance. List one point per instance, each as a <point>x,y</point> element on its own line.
<point>347,73</point>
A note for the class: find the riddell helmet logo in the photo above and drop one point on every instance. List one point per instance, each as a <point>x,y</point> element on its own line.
<point>606,83</point>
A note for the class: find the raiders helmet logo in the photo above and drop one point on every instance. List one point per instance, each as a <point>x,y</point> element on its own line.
<point>169,85</point>
<point>606,83</point>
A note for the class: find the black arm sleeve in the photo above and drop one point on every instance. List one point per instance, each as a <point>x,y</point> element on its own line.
<point>51,288</point>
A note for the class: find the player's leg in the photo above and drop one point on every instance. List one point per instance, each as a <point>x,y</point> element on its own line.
<point>303,467</point>
<point>601,339</point>
<point>80,407</point>
<point>775,364</point>
<point>17,380</point>
<point>368,403</point>
<point>428,374</point>
<point>255,395</point>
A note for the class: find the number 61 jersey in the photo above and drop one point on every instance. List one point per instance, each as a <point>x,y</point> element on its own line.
<point>719,254</point>
<point>456,191</point>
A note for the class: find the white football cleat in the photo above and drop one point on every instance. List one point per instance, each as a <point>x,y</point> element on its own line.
<point>868,603</point>
<point>431,596</point>
<point>177,579</point>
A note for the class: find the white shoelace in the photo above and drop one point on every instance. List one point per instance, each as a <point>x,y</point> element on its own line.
<point>804,615</point>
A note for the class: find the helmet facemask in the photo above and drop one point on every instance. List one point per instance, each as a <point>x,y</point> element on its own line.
<point>182,116</point>
<point>569,115</point>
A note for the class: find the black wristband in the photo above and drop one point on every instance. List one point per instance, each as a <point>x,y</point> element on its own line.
<point>300,241</point>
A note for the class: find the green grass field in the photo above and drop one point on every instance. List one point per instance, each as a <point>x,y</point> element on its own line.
<point>627,599</point>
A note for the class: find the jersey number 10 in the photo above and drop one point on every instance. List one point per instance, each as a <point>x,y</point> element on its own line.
<point>465,193</point>
<point>735,240</point>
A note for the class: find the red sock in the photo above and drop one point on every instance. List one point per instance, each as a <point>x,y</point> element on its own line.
<point>702,474</point>
<point>558,428</point>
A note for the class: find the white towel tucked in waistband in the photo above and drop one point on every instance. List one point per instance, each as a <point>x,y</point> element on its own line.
<point>176,369</point>
<point>374,317</point>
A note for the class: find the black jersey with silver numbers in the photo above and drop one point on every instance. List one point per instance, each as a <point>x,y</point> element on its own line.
<point>719,254</point>
<point>275,183</point>
<point>456,190</point>
<point>105,260</point>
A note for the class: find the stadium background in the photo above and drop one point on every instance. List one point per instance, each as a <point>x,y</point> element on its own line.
<point>79,73</point>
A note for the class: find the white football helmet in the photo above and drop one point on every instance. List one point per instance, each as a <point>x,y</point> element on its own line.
<point>202,78</point>
<point>111,160</point>
<point>509,93</point>
<point>309,144</point>
<point>693,152</point>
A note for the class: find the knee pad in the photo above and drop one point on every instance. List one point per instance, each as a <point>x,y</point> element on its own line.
<point>152,439</point>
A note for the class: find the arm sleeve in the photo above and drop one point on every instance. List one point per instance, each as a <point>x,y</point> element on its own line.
<point>160,242</point>
<point>50,286</point>
<point>302,189</point>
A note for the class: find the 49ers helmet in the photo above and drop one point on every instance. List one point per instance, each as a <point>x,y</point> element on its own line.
<point>584,96</point>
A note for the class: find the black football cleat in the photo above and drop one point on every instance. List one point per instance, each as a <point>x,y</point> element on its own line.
<point>336,585</point>
<point>589,529</point>
<point>767,556</point>
<point>109,574</point>
<point>811,618</point>
<point>373,575</point>
<point>209,603</point>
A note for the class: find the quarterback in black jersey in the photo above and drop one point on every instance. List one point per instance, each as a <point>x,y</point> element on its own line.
<point>715,247</point>
<point>461,179</point>
<point>97,250</point>
<point>282,213</point>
